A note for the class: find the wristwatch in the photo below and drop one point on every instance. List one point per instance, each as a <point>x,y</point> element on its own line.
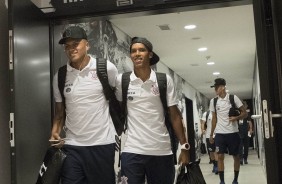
<point>185,146</point>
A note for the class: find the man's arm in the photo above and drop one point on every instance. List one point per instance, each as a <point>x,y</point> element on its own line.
<point>214,121</point>
<point>250,126</point>
<point>177,125</point>
<point>176,121</point>
<point>203,126</point>
<point>58,122</point>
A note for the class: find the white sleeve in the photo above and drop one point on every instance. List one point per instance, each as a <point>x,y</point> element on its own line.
<point>56,91</point>
<point>171,94</point>
<point>237,102</point>
<point>112,73</point>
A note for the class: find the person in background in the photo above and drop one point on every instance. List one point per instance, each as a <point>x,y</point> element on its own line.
<point>206,129</point>
<point>226,127</point>
<point>245,131</point>
<point>147,151</point>
<point>90,134</point>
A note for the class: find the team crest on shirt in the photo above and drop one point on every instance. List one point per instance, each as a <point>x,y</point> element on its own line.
<point>93,75</point>
<point>155,90</point>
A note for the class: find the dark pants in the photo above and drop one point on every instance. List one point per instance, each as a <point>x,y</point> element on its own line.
<point>89,165</point>
<point>244,147</point>
<point>156,169</point>
<point>227,142</point>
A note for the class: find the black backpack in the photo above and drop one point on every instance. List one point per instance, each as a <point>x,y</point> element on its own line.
<point>162,83</point>
<point>234,111</point>
<point>114,106</point>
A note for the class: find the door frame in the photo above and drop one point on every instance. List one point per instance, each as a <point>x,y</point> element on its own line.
<point>268,56</point>
<point>269,64</point>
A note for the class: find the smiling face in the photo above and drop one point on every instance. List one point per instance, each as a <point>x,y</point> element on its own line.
<point>76,50</point>
<point>140,55</point>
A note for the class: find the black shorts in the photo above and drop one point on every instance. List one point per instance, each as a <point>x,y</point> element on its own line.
<point>227,142</point>
<point>89,164</point>
<point>211,147</point>
<point>157,169</point>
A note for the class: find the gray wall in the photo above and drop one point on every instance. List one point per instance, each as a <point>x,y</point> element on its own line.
<point>5,169</point>
<point>32,90</point>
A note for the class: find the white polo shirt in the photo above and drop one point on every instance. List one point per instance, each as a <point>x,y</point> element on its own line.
<point>224,126</point>
<point>147,133</point>
<point>88,121</point>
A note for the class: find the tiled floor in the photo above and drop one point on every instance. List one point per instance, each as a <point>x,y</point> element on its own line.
<point>249,174</point>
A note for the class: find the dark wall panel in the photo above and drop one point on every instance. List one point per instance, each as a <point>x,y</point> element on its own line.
<point>32,90</point>
<point>5,169</point>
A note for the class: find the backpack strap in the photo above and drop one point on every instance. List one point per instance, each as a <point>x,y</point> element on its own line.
<point>231,99</point>
<point>214,103</point>
<point>125,79</point>
<point>62,73</point>
<point>162,84</point>
<point>101,67</point>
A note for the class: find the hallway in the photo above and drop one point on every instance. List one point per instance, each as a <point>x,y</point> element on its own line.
<point>249,174</point>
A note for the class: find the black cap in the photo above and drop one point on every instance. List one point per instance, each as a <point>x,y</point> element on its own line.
<point>219,82</point>
<point>148,45</point>
<point>75,32</point>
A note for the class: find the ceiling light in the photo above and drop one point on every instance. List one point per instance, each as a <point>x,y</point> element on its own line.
<point>190,27</point>
<point>202,49</point>
<point>216,73</point>
<point>210,63</point>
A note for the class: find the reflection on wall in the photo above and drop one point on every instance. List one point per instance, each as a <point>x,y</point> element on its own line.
<point>258,125</point>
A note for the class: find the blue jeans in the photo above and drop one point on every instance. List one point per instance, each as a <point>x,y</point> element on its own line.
<point>89,165</point>
<point>156,169</point>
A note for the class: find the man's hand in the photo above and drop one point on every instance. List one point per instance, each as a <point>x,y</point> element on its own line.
<point>56,140</point>
<point>211,140</point>
<point>184,157</point>
<point>233,119</point>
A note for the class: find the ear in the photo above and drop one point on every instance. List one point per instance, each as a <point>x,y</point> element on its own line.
<point>151,55</point>
<point>87,46</point>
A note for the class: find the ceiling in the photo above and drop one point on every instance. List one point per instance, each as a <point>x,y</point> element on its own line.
<point>227,32</point>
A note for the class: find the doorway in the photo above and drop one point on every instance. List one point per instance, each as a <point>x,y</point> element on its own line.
<point>171,44</point>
